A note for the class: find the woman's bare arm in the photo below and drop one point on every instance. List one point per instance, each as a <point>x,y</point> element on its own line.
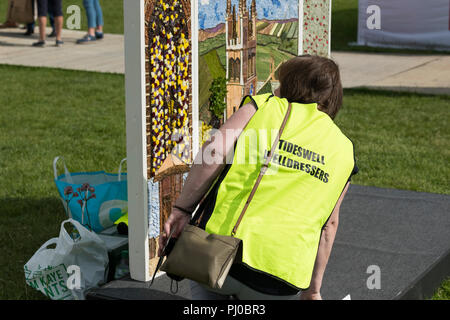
<point>208,164</point>
<point>323,253</point>
<point>203,172</point>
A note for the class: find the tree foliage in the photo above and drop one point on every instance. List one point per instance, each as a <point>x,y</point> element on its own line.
<point>217,99</point>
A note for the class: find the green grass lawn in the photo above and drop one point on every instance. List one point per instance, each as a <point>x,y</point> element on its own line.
<point>264,54</point>
<point>46,113</point>
<point>443,293</point>
<point>402,141</point>
<point>344,24</point>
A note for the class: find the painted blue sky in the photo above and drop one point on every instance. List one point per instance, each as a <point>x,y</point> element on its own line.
<point>212,12</point>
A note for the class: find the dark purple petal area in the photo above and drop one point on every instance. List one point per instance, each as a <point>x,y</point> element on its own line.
<point>68,190</point>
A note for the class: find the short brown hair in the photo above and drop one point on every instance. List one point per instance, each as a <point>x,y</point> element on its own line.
<point>312,79</point>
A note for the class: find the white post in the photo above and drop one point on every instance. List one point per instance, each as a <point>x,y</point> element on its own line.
<point>195,85</point>
<point>134,27</point>
<point>329,28</point>
<point>301,21</point>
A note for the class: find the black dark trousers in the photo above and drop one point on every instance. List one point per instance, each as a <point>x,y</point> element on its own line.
<point>45,6</point>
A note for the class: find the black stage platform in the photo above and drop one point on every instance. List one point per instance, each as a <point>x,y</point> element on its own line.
<point>402,234</point>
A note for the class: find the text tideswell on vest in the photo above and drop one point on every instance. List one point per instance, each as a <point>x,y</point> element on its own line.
<point>312,170</point>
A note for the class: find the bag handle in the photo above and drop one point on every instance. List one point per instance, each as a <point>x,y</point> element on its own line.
<point>120,168</point>
<point>82,231</point>
<point>263,169</point>
<point>48,243</point>
<point>64,232</point>
<point>66,171</point>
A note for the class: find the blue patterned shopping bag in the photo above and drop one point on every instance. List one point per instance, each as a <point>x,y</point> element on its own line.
<point>95,199</point>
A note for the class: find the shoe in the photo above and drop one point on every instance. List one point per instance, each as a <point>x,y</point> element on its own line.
<point>28,33</point>
<point>39,44</point>
<point>86,39</point>
<point>52,34</point>
<point>98,35</point>
<point>59,43</point>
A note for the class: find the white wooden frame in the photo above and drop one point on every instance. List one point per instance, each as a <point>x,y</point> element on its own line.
<point>135,87</point>
<point>195,85</point>
<point>329,29</point>
<point>300,26</point>
<point>134,31</point>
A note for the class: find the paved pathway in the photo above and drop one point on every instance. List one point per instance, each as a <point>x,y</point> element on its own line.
<point>420,73</point>
<point>417,73</point>
<point>105,56</point>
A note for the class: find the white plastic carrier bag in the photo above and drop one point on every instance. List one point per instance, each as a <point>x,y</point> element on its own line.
<point>75,265</point>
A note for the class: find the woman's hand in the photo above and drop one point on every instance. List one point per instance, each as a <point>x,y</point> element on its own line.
<point>178,220</point>
<point>310,295</point>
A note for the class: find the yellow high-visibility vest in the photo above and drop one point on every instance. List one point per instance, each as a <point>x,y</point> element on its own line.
<point>312,163</point>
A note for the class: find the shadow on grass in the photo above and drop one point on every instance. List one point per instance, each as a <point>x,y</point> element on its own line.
<point>26,225</point>
<point>20,206</point>
<point>20,35</point>
<point>390,93</point>
<point>439,91</point>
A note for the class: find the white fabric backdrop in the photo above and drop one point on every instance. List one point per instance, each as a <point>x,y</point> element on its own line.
<point>421,24</point>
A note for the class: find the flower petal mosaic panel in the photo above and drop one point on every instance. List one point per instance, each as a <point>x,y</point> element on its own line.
<point>169,53</point>
<point>316,27</point>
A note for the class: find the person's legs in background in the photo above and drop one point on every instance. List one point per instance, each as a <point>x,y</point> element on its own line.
<point>30,29</point>
<point>99,18</point>
<point>42,18</point>
<point>95,21</point>
<point>31,25</point>
<point>52,22</point>
<point>56,9</point>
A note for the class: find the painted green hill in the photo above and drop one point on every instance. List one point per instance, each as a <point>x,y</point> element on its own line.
<point>210,68</point>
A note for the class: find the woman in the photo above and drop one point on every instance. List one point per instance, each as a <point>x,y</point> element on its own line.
<point>289,228</point>
<point>44,7</point>
<point>95,21</point>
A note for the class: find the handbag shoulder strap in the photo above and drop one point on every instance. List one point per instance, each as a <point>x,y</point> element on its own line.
<point>263,169</point>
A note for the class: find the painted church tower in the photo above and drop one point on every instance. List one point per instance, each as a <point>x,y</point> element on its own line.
<point>241,53</point>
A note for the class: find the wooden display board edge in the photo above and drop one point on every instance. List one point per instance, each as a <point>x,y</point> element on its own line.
<point>134,46</point>
<point>135,80</point>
